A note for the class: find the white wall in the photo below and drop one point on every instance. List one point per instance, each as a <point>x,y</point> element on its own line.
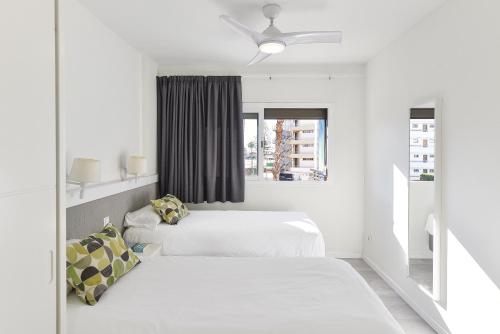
<point>107,93</point>
<point>148,112</point>
<point>454,54</point>
<point>337,206</point>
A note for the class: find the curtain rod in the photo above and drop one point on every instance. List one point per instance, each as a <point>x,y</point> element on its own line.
<point>271,76</point>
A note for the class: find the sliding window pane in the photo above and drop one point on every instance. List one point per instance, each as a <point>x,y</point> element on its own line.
<point>250,125</point>
<point>295,144</point>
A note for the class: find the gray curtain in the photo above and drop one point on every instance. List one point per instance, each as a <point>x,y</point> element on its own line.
<point>200,138</point>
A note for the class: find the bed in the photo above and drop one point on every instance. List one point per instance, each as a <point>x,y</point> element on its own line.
<point>191,295</point>
<point>236,233</point>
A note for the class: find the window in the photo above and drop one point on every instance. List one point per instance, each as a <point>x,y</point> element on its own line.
<point>424,127</point>
<point>414,126</point>
<point>293,144</point>
<point>425,143</point>
<point>416,170</point>
<point>416,155</point>
<point>250,126</point>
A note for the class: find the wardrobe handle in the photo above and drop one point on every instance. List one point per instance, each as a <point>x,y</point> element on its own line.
<point>51,266</point>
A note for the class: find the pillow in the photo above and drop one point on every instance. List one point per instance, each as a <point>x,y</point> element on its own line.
<point>146,217</point>
<point>69,288</point>
<point>170,209</point>
<point>95,263</point>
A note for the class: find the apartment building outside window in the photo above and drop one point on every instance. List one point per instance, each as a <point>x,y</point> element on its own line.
<point>293,146</point>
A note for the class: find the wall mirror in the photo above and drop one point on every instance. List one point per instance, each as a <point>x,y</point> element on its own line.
<point>424,197</point>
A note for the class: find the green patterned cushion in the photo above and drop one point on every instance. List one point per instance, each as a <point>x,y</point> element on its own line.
<point>96,262</point>
<point>170,209</point>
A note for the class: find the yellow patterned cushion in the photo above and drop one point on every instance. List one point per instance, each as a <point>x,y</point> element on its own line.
<point>170,209</point>
<point>97,262</point>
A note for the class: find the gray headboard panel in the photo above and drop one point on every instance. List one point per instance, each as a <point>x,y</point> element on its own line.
<point>87,218</point>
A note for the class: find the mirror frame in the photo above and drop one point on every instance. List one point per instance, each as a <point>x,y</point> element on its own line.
<point>439,259</point>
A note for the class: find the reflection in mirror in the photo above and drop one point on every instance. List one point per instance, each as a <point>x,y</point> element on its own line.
<point>421,215</point>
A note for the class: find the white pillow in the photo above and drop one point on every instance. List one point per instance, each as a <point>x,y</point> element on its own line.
<point>145,217</point>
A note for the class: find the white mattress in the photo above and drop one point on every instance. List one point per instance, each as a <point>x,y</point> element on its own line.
<point>217,295</point>
<point>236,233</point>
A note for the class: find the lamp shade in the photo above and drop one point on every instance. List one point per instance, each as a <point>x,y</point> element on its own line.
<point>136,165</point>
<point>85,170</point>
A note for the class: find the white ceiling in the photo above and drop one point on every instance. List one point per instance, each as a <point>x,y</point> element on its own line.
<point>189,32</point>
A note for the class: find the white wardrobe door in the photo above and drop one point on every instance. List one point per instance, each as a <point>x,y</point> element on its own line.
<point>27,127</point>
<point>28,279</point>
<point>27,167</point>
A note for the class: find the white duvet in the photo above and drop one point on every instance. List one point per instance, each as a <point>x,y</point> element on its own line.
<point>217,295</point>
<point>236,233</point>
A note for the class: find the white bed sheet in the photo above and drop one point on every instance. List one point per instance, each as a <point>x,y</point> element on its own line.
<point>236,233</point>
<point>217,295</point>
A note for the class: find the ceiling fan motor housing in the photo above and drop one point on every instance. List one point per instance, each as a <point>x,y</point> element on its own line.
<point>271,31</point>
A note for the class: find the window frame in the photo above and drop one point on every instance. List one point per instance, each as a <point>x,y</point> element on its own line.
<point>258,108</point>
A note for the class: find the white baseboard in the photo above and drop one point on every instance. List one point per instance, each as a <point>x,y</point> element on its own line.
<point>344,255</point>
<point>436,326</point>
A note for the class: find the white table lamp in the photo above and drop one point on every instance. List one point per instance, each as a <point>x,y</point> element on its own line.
<point>136,165</point>
<point>84,171</point>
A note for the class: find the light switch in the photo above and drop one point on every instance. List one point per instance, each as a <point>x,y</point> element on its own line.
<point>105,221</point>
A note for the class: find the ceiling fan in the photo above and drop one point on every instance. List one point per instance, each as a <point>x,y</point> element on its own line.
<point>272,40</point>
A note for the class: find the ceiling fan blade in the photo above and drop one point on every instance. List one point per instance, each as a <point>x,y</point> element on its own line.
<point>309,37</point>
<point>255,36</point>
<point>260,56</point>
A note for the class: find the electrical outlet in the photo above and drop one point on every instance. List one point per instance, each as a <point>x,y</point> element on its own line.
<point>369,237</point>
<point>105,221</point>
